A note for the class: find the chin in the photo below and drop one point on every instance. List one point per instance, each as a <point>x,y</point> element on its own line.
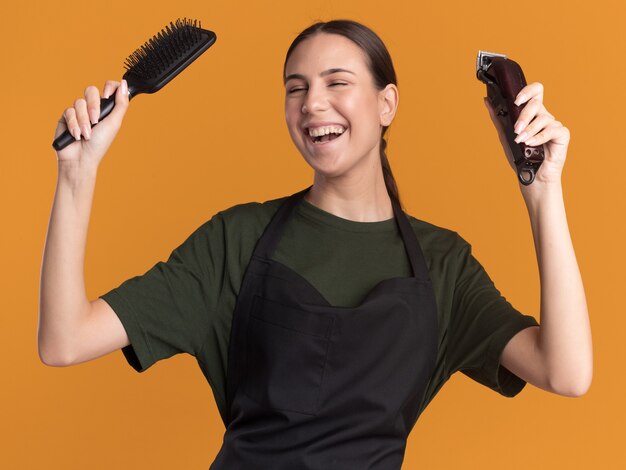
<point>327,166</point>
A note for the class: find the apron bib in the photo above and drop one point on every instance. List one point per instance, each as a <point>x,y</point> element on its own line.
<point>313,386</point>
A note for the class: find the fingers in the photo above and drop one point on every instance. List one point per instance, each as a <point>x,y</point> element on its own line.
<point>121,101</point>
<point>92,97</point>
<point>109,88</point>
<point>534,90</point>
<point>86,110</point>
<point>69,115</point>
<point>528,113</point>
<point>82,117</point>
<point>554,131</point>
<point>541,121</point>
<point>79,118</point>
<point>532,95</point>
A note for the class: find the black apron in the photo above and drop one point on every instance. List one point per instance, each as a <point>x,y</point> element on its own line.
<point>313,386</point>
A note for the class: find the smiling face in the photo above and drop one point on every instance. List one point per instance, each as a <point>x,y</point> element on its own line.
<point>346,97</point>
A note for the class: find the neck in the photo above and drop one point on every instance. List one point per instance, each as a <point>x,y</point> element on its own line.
<point>361,198</point>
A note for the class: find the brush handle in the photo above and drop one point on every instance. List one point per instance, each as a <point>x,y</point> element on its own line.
<point>65,139</point>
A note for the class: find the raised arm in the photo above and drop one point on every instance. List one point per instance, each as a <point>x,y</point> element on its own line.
<point>65,313</point>
<point>558,355</point>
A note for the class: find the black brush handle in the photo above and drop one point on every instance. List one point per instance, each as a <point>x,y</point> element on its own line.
<point>65,139</point>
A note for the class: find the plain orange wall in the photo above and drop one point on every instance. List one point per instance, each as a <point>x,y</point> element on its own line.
<point>216,136</point>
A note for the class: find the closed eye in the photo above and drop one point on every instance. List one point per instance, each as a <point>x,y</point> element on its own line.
<point>298,89</point>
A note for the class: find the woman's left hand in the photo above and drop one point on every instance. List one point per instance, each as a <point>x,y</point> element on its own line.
<point>539,127</point>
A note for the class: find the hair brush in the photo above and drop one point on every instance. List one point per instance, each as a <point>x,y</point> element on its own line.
<point>155,64</point>
<point>504,79</point>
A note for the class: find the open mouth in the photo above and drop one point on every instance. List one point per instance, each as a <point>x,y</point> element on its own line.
<point>321,140</point>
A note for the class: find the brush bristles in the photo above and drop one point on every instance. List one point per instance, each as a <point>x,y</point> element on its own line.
<point>163,50</point>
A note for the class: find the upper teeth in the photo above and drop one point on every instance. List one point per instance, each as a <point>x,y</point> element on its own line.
<point>319,131</point>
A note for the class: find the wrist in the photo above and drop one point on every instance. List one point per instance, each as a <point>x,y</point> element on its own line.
<point>540,193</point>
<point>77,167</point>
<point>76,172</point>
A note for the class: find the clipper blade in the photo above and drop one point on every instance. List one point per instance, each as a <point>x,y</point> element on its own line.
<point>483,62</point>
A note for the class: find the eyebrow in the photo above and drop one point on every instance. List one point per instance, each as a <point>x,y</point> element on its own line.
<point>322,74</point>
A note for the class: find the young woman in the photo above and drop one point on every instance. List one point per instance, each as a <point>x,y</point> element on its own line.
<point>327,320</point>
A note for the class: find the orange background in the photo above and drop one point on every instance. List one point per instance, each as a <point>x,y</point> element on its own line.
<point>216,136</point>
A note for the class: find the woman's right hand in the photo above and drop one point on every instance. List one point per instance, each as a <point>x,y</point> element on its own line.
<point>94,141</point>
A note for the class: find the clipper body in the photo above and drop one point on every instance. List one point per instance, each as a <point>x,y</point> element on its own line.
<point>504,79</point>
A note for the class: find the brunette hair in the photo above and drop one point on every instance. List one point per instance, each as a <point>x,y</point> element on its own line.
<point>378,63</point>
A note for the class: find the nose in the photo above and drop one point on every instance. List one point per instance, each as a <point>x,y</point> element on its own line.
<point>315,100</point>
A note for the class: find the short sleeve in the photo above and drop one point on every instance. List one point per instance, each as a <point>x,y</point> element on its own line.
<point>481,324</point>
<point>168,310</point>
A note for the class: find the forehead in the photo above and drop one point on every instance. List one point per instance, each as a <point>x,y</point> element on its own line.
<point>324,51</point>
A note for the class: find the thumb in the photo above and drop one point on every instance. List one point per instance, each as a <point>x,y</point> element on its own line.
<point>121,100</point>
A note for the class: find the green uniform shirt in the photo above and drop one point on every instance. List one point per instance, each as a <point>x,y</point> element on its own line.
<point>185,305</point>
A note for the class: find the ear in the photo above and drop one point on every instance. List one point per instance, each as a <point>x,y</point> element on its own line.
<point>388,104</point>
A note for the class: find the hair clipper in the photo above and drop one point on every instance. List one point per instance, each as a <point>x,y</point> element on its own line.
<point>504,79</point>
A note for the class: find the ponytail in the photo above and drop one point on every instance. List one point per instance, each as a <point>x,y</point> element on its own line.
<point>390,181</point>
